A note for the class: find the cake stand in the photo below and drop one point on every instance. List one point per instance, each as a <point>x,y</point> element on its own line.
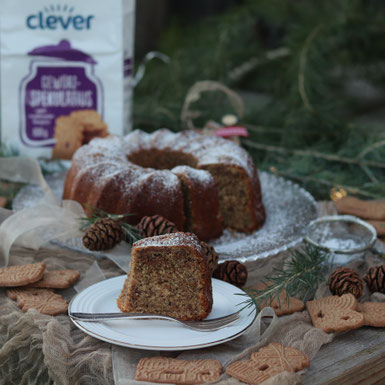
<point>289,210</point>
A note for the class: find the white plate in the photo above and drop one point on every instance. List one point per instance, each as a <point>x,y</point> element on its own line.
<point>156,334</point>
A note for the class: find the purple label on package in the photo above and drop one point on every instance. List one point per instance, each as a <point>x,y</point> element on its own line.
<point>66,74</point>
<point>61,82</point>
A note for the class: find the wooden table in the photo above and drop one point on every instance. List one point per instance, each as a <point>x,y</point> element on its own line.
<point>356,357</point>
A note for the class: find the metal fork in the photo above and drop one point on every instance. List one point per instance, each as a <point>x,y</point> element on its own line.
<point>204,325</point>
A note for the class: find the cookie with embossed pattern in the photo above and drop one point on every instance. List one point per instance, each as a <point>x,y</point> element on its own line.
<point>287,306</point>
<point>43,300</point>
<point>268,362</point>
<point>174,371</point>
<point>14,292</point>
<point>335,313</point>
<point>21,275</point>
<point>373,312</point>
<point>57,279</point>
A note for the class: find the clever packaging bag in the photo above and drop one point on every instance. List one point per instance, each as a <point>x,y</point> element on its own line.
<point>65,73</point>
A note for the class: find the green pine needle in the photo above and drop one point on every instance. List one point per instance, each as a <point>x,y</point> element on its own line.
<point>298,70</point>
<point>132,233</point>
<point>298,278</point>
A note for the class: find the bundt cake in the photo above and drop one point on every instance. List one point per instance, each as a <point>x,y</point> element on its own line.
<point>140,174</point>
<point>168,275</point>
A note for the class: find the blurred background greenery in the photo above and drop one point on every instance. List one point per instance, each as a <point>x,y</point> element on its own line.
<point>311,76</point>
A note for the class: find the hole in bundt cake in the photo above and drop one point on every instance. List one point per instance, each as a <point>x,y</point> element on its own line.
<point>161,159</point>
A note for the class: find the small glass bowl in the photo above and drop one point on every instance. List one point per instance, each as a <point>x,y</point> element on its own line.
<point>345,236</point>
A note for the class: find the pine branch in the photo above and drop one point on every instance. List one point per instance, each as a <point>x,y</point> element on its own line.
<point>132,233</point>
<point>297,67</point>
<point>241,71</point>
<point>299,276</point>
<point>370,148</point>
<point>358,161</point>
<point>350,189</point>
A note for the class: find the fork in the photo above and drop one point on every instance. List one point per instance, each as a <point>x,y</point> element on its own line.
<point>204,325</point>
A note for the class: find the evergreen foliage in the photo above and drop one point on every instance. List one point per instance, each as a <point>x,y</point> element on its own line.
<point>131,233</point>
<point>299,278</point>
<point>310,74</point>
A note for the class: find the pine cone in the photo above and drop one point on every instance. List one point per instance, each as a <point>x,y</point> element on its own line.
<point>233,272</point>
<point>375,279</point>
<point>155,225</point>
<point>211,255</point>
<point>103,235</point>
<point>345,281</point>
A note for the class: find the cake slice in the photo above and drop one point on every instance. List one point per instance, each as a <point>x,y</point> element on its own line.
<point>201,202</point>
<point>169,276</point>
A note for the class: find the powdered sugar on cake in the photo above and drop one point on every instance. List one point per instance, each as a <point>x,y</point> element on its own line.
<point>198,176</point>
<point>173,239</point>
<point>115,174</point>
<point>212,150</point>
<point>207,150</point>
<point>104,157</point>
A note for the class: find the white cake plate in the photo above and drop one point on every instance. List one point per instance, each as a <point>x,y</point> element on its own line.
<point>157,334</point>
<point>289,210</point>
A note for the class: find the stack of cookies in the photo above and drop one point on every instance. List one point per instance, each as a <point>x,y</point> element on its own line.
<point>31,285</point>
